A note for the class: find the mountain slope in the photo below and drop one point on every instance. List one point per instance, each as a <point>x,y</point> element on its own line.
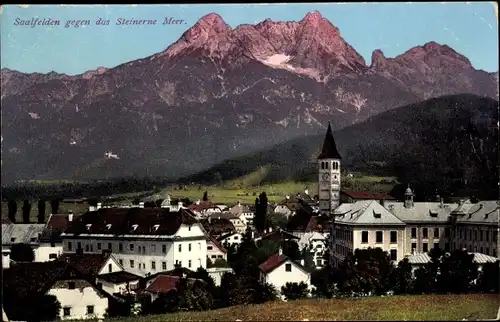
<point>442,142</point>
<point>215,93</point>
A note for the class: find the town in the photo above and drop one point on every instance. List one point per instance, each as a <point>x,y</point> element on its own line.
<point>161,256</point>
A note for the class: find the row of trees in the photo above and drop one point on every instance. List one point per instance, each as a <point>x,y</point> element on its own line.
<point>370,272</point>
<point>12,210</point>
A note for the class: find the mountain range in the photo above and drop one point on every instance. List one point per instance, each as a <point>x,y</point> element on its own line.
<point>448,144</point>
<point>216,93</point>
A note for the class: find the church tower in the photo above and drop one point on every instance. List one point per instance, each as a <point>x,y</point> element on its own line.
<point>329,175</point>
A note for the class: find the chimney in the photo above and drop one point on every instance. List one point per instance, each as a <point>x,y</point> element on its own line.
<point>141,204</point>
<point>441,201</point>
<point>99,205</point>
<point>306,191</point>
<point>280,251</point>
<point>270,229</point>
<point>302,262</point>
<point>70,217</point>
<point>253,235</point>
<point>287,197</point>
<point>382,202</point>
<point>179,204</point>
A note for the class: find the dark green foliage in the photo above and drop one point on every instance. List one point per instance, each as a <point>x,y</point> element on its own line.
<point>118,308</point>
<point>205,196</point>
<point>158,202</point>
<point>489,278</point>
<point>277,220</point>
<point>448,129</point>
<point>41,211</point>
<point>324,282</point>
<point>295,291</point>
<point>260,217</point>
<point>403,278</point>
<point>220,262</point>
<point>22,253</point>
<point>26,211</point>
<point>150,204</point>
<point>291,249</point>
<point>457,272</point>
<point>54,206</point>
<point>424,281</point>
<point>12,210</point>
<point>43,308</point>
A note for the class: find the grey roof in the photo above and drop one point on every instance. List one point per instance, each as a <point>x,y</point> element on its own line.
<point>366,212</point>
<point>463,208</point>
<point>239,209</point>
<point>424,258</point>
<point>22,233</point>
<point>421,211</point>
<point>485,212</point>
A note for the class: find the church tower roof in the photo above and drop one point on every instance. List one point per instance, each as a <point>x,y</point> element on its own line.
<point>329,150</point>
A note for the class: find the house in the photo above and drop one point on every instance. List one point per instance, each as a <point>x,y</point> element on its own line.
<point>353,196</point>
<point>239,224</point>
<point>278,270</point>
<point>26,234</point>
<point>217,226</point>
<point>204,208</point>
<point>420,259</point>
<point>216,273</point>
<point>118,282</point>
<point>365,224</point>
<point>92,265</point>
<point>243,212</point>
<point>231,239</point>
<point>163,283</point>
<point>316,244</point>
<point>51,245</point>
<point>79,297</point>
<point>215,250</point>
<point>143,240</point>
<point>278,236</point>
<point>290,205</point>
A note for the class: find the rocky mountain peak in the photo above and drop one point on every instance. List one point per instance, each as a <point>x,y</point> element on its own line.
<point>435,56</point>
<point>378,59</point>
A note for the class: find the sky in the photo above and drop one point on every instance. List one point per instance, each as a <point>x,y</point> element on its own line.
<point>469,28</point>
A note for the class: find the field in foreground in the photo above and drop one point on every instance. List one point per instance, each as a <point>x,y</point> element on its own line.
<point>400,308</point>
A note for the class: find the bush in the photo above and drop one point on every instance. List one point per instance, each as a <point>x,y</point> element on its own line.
<point>295,291</point>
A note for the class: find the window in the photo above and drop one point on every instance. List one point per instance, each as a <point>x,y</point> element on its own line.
<point>480,235</point>
<point>180,248</point>
<point>481,250</point>
<point>487,252</point>
<point>235,237</point>
<point>79,245</point>
<point>131,263</point>
<point>209,247</point>
<point>213,256</point>
<point>153,265</point>
<point>487,235</point>
<point>110,246</point>
<point>67,311</point>
<point>153,248</point>
<point>90,309</point>
<point>447,247</point>
<point>494,252</point>
<point>414,233</point>
<point>164,249</point>
<point>99,246</point>
<point>71,285</point>
<point>364,237</point>
<point>189,264</point>
<point>288,267</point>
<point>164,266</point>
<point>475,234</point>
<point>425,248</point>
<point>110,268</point>
<point>436,245</point>
<point>394,254</point>
<point>413,247</point>
<point>379,237</point>
<point>52,256</point>
<point>131,247</point>
<point>121,262</point>
<point>425,233</point>
<point>120,247</point>
<point>436,232</point>
<point>180,263</point>
<point>394,237</point>
<point>70,246</point>
<point>189,247</point>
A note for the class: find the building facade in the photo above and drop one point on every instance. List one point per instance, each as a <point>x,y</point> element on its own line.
<point>329,175</point>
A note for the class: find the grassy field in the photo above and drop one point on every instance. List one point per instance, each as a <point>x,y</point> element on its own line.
<point>393,308</point>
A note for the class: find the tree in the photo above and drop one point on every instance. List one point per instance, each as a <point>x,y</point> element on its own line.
<point>260,216</point>
<point>457,272</point>
<point>278,220</point>
<point>41,211</point>
<point>22,253</point>
<point>291,250</point>
<point>323,282</point>
<point>42,308</point>
<point>54,206</point>
<point>12,210</point>
<point>489,278</point>
<point>47,308</point>
<point>205,196</point>
<point>403,278</point>
<point>295,291</point>
<point>220,262</point>
<point>26,211</point>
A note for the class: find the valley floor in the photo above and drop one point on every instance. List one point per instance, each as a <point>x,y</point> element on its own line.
<point>395,308</point>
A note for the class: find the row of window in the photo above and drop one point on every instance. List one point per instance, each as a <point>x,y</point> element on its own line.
<point>67,310</point>
<point>379,237</point>
<point>343,234</point>
<point>326,165</point>
<point>481,249</point>
<point>140,249</point>
<point>425,232</point>
<point>481,235</point>
<point>153,264</point>
<point>425,247</point>
<point>342,250</point>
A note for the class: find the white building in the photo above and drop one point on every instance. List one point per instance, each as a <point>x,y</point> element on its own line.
<point>421,259</point>
<point>243,212</point>
<point>215,250</point>
<point>216,273</point>
<point>316,244</point>
<point>278,270</point>
<point>5,258</point>
<point>143,240</point>
<point>231,239</point>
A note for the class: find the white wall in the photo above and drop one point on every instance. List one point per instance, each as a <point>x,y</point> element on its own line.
<point>216,273</point>
<point>279,277</point>
<point>215,251</point>
<point>5,259</point>
<point>43,252</point>
<point>112,288</point>
<point>78,299</point>
<point>234,239</point>
<point>106,269</point>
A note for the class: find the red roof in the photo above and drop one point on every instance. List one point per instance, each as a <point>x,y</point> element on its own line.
<point>318,224</point>
<point>273,262</point>
<point>203,205</point>
<point>58,221</point>
<point>163,284</point>
<point>86,264</point>
<point>368,195</point>
<point>278,235</point>
<point>217,244</point>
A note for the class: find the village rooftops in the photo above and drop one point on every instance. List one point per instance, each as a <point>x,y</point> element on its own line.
<point>217,243</point>
<point>275,261</point>
<point>21,233</point>
<point>367,195</point>
<point>86,264</point>
<point>119,277</point>
<point>55,226</point>
<point>432,212</point>
<point>483,212</point>
<point>424,258</point>
<point>320,224</point>
<point>276,235</point>
<point>133,222</point>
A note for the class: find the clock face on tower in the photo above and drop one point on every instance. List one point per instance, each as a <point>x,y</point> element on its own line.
<point>325,176</point>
